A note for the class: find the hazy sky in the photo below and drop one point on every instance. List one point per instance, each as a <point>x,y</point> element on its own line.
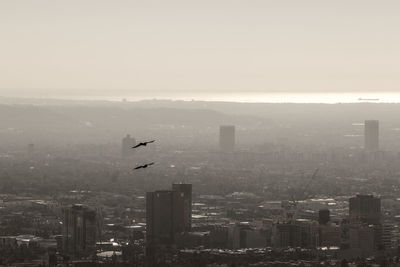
<point>94,46</point>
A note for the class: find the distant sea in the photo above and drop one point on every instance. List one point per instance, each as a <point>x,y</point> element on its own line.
<point>243,97</point>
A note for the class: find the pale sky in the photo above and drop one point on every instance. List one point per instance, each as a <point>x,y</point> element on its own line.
<point>99,46</point>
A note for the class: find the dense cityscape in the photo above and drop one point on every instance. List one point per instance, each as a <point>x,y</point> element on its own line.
<point>199,133</point>
<point>221,205</point>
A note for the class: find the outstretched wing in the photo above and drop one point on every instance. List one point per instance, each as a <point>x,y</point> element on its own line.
<point>144,166</point>
<point>138,145</point>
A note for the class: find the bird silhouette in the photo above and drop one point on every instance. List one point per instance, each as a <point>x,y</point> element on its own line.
<point>143,144</point>
<point>144,166</point>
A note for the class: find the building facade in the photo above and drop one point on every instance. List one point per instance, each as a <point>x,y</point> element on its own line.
<point>80,230</point>
<point>365,209</point>
<point>168,212</point>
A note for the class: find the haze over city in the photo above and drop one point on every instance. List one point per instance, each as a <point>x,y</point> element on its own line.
<point>212,133</point>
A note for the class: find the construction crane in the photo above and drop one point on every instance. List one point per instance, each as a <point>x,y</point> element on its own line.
<point>303,193</point>
<point>293,206</point>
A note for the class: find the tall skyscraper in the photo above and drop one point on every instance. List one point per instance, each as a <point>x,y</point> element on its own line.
<point>323,216</point>
<point>80,230</point>
<point>168,212</point>
<point>227,138</point>
<point>186,213</point>
<point>371,135</point>
<point>365,209</point>
<point>365,233</point>
<point>126,147</point>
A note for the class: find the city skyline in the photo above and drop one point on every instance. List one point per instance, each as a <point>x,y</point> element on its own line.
<point>212,133</point>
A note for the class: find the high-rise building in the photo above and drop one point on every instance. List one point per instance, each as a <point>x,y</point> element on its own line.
<point>168,212</point>
<point>365,225</point>
<point>126,147</point>
<point>227,138</point>
<point>323,216</point>
<point>388,235</point>
<point>363,240</point>
<point>185,214</point>
<point>160,216</point>
<point>365,209</point>
<point>371,135</point>
<point>80,230</point>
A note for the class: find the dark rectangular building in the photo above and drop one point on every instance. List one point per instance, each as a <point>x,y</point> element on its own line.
<point>184,215</point>
<point>80,230</point>
<point>168,212</point>
<point>168,215</point>
<point>365,209</point>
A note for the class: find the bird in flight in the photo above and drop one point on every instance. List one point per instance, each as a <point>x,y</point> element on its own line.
<point>143,144</point>
<point>144,166</point>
